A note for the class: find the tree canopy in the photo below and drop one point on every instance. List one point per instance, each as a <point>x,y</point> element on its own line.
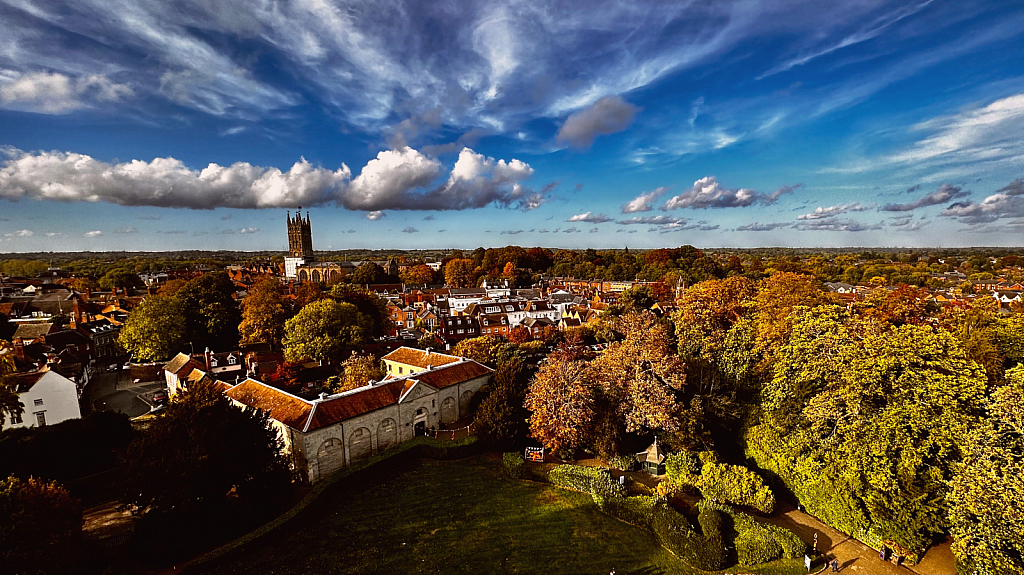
<point>155,330</point>
<point>325,330</point>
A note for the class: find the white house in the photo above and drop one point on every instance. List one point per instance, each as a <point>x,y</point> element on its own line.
<point>48,397</point>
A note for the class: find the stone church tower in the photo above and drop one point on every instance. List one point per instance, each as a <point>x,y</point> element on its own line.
<point>300,237</point>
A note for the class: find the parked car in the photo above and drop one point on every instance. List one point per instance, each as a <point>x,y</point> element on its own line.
<point>160,397</point>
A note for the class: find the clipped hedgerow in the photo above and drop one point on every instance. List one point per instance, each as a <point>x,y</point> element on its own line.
<point>637,510</point>
<point>758,542</point>
<point>513,463</point>
<point>594,480</point>
<point>737,485</point>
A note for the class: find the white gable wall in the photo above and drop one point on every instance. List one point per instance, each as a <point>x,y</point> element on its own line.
<point>59,397</point>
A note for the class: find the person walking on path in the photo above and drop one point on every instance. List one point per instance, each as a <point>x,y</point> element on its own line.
<point>835,566</point>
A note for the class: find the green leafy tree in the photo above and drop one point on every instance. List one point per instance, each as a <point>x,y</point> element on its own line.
<point>120,279</point>
<point>637,298</point>
<point>263,313</point>
<point>10,404</point>
<point>987,499</point>
<point>41,530</point>
<point>373,310</point>
<point>369,273</point>
<point>210,311</point>
<point>203,451</point>
<point>359,371</point>
<point>501,417</point>
<point>323,331</point>
<point>155,330</point>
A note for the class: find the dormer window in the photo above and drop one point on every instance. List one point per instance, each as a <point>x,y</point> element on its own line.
<point>232,360</point>
<point>213,362</point>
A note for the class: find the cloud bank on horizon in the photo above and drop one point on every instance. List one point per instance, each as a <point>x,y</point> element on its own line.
<point>904,120</point>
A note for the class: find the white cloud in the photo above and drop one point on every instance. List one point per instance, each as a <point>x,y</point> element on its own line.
<point>248,230</point>
<point>127,230</point>
<point>165,182</point>
<point>831,211</point>
<point>376,215</point>
<point>766,227</point>
<point>93,234</point>
<point>836,225</point>
<point>55,93</point>
<point>707,192</point>
<point>644,202</point>
<point>651,220</point>
<point>20,234</point>
<point>590,218</point>
<point>607,115</point>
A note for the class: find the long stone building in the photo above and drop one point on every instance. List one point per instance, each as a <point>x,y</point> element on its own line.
<point>333,431</point>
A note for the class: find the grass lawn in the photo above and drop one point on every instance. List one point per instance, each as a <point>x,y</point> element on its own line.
<point>451,517</point>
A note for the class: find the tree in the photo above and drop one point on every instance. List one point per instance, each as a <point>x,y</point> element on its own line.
<point>637,298</point>
<point>479,349</point>
<point>210,311</point>
<point>642,374</point>
<point>373,310</point>
<point>216,450</point>
<point>519,335</point>
<point>120,278</point>
<point>323,331</point>
<point>359,371</point>
<point>42,527</point>
<point>263,313</point>
<point>417,275</point>
<point>501,417</point>
<point>10,404</point>
<point>430,340</point>
<point>171,287</point>
<point>155,330</point>
<point>561,405</point>
<point>987,498</point>
<point>459,273</point>
<point>707,311</point>
<point>369,273</point>
<point>305,294</point>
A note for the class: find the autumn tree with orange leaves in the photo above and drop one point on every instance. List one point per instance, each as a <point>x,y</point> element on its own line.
<point>562,405</point>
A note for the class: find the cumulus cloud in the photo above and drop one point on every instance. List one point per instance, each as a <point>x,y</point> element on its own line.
<point>93,234</point>
<point>410,230</point>
<point>572,230</point>
<point>395,179</point>
<point>248,230</point>
<point>594,230</point>
<point>832,211</point>
<point>943,194</point>
<point>164,182</point>
<point>607,115</point>
<point>782,191</point>
<point>55,93</point>
<point>707,192</point>
<point>376,215</point>
<point>651,220</point>
<point>1007,202</point>
<point>20,234</point>
<point>836,225</point>
<point>590,218</point>
<point>907,224</point>
<point>759,227</point>
<point>53,234</point>
<point>644,202</point>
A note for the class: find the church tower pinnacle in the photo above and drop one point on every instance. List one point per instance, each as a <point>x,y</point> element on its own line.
<point>300,236</point>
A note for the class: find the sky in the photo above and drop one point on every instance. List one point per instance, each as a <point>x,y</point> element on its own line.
<point>155,125</point>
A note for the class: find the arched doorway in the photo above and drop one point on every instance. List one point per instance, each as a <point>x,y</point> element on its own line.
<point>464,402</point>
<point>303,276</point>
<point>330,456</point>
<point>387,434</point>
<point>419,422</point>
<point>448,413</point>
<point>360,444</point>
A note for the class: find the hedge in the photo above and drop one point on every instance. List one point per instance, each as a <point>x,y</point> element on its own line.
<point>732,483</point>
<point>703,551</point>
<point>513,463</point>
<point>638,510</point>
<point>758,542</point>
<point>593,480</point>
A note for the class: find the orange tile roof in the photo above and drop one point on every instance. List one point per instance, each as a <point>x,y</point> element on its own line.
<point>453,374</point>
<point>284,407</point>
<point>419,358</point>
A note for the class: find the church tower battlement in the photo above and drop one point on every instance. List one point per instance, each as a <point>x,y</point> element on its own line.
<point>300,236</point>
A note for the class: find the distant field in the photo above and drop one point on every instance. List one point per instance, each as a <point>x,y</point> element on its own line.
<point>452,517</point>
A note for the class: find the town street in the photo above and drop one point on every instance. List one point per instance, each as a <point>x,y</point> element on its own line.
<point>116,392</point>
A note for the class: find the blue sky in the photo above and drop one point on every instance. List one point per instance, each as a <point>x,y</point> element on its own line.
<point>151,125</point>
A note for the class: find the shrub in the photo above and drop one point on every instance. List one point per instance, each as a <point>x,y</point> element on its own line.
<point>755,547</point>
<point>682,468</point>
<point>513,464</point>
<point>637,510</point>
<point>703,551</point>
<point>623,462</point>
<point>737,485</point>
<point>593,480</point>
<point>758,542</point>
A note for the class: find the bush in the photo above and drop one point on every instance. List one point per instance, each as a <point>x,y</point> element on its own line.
<point>758,542</point>
<point>703,551</point>
<point>513,464</point>
<point>637,510</point>
<point>594,480</point>
<point>623,462</point>
<point>737,485</point>
<point>754,547</point>
<point>682,468</point>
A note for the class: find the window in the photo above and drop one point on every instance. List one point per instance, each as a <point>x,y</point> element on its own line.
<point>232,360</point>
<point>37,402</point>
<point>41,418</point>
<point>462,331</point>
<point>16,419</point>
<point>400,371</point>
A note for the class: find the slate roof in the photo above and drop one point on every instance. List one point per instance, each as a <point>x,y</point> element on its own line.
<point>32,331</point>
<point>177,362</point>
<point>419,358</point>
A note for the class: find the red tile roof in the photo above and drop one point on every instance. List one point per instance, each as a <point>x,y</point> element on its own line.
<point>419,358</point>
<point>284,407</point>
<point>453,374</point>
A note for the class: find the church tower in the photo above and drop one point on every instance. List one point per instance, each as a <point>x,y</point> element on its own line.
<point>300,236</point>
